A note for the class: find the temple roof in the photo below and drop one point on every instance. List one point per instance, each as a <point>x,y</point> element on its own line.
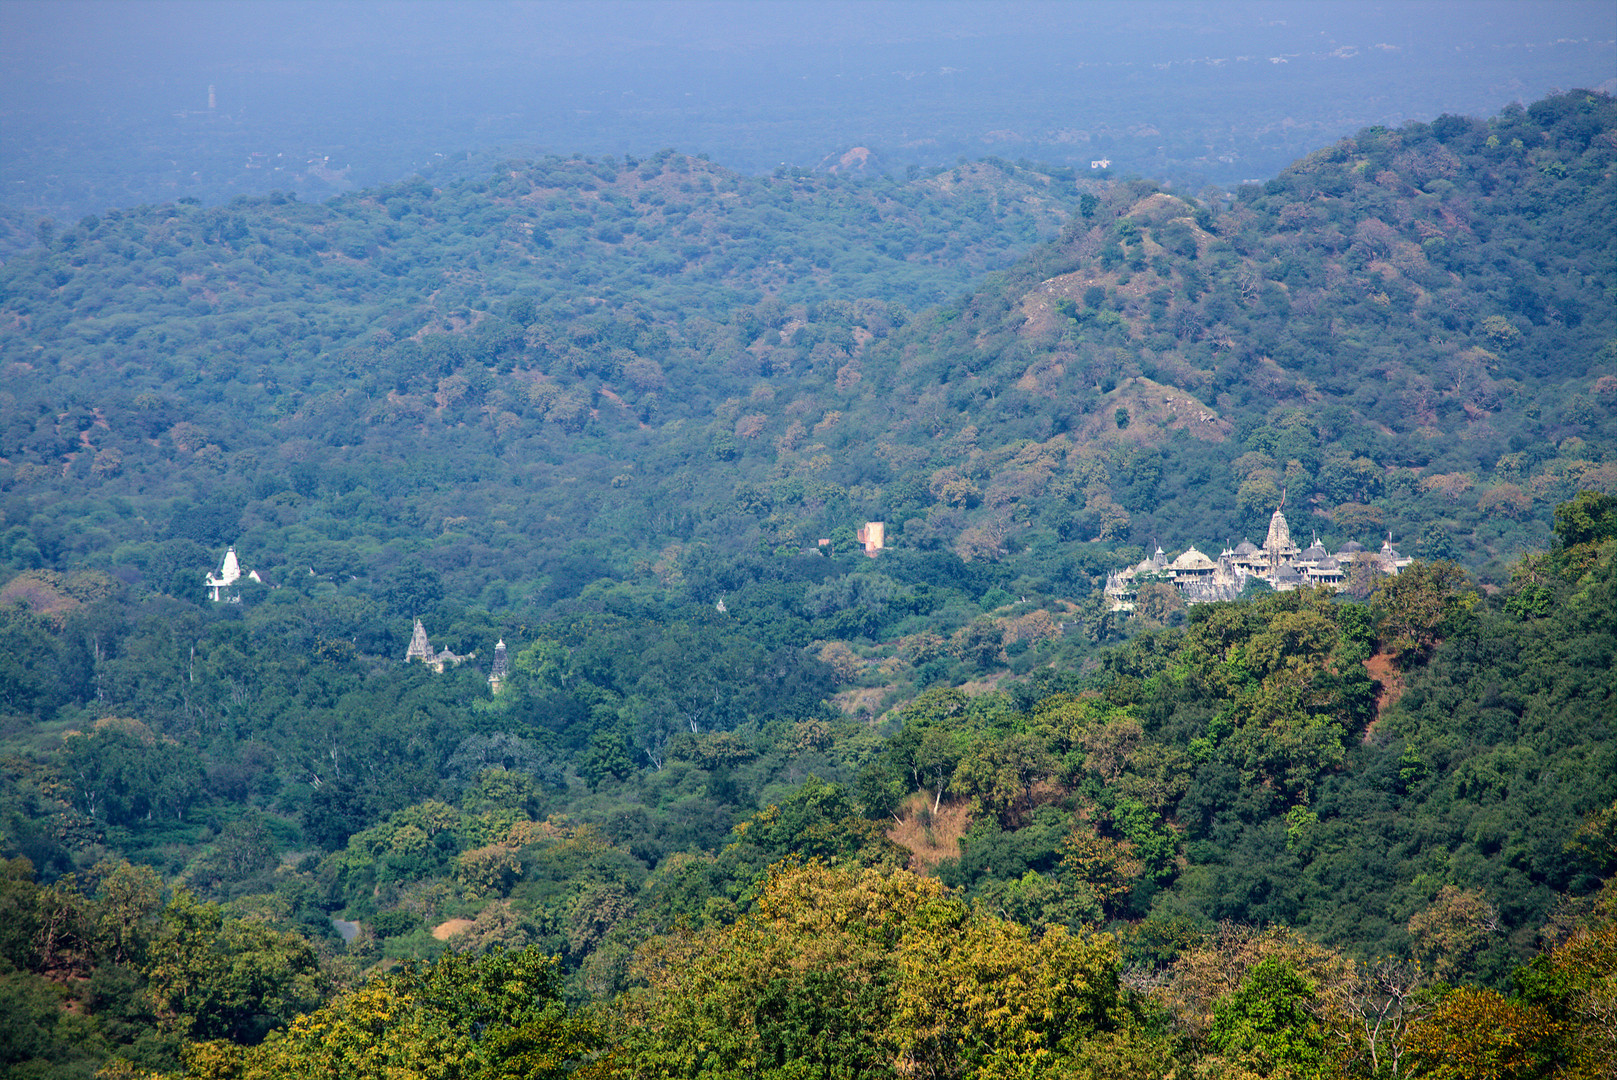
<point>1246,547</point>
<point>1192,560</point>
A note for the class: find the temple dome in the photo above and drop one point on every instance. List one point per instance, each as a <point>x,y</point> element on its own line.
<point>1192,560</point>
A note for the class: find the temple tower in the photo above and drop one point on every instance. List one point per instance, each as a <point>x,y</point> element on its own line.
<point>496,678</point>
<point>229,574</point>
<point>420,648</point>
<point>1278,548</point>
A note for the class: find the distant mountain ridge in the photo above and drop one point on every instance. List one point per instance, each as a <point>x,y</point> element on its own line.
<point>1409,331</point>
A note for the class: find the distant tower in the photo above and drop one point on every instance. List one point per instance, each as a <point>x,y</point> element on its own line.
<point>420,648</point>
<point>496,677</point>
<point>213,98</point>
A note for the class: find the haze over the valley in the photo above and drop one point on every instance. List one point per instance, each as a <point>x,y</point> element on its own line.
<point>108,103</point>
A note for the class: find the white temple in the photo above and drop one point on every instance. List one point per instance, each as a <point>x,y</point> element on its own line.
<point>229,573</point>
<point>1279,562</point>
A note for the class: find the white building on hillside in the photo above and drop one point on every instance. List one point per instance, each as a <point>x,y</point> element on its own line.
<point>1279,562</point>
<point>230,572</point>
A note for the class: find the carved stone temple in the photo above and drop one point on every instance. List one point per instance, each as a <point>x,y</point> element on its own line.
<point>1279,562</point>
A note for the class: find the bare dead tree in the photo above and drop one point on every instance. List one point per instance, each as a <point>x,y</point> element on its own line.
<point>1390,998</point>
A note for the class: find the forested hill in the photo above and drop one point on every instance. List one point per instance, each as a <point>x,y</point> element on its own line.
<point>747,804</point>
<point>489,368</point>
<point>536,379</point>
<point>1410,330</point>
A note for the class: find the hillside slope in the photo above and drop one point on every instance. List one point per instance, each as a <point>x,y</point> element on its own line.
<point>1411,330</point>
<point>601,436</point>
<point>492,354</point>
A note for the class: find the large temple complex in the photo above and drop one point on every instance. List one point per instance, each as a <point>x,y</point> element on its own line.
<point>1279,563</point>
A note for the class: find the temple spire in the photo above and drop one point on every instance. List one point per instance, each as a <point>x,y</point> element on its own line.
<point>496,678</point>
<point>420,648</point>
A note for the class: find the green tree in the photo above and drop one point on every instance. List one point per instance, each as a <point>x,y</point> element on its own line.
<point>1581,527</point>
<point>123,773</point>
<point>413,589</point>
<point>610,755</point>
<point>224,978</point>
<point>1416,607</point>
<point>1267,1028</point>
<point>1000,772</point>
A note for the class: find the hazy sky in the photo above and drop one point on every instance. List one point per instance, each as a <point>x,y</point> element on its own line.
<point>1224,90</point>
<point>42,33</point>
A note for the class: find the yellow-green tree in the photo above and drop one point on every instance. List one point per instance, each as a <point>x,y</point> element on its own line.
<point>213,977</point>
<point>1475,1034</point>
<point>494,1017</point>
<point>845,974</point>
<point>127,905</point>
<point>1452,930</point>
<point>1575,983</point>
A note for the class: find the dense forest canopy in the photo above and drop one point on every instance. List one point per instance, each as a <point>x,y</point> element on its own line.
<point>743,800</point>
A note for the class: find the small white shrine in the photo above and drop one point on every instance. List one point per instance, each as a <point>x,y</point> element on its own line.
<point>230,572</point>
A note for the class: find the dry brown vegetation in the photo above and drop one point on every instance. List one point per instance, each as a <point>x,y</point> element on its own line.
<point>1155,411</point>
<point>1384,670</point>
<point>865,701</point>
<point>930,836</point>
